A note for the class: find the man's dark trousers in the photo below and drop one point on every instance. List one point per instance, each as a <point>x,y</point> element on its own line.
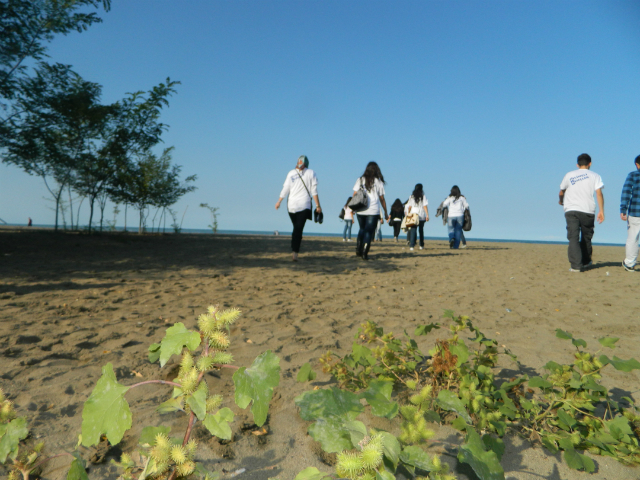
<point>579,248</point>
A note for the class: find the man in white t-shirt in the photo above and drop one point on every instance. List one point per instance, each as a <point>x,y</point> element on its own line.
<point>300,185</point>
<point>576,196</point>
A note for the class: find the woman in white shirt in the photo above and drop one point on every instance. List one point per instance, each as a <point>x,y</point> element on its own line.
<point>457,204</point>
<point>373,183</point>
<point>417,204</point>
<point>299,187</point>
<point>348,222</point>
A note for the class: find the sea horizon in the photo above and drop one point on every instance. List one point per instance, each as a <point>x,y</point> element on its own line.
<point>207,231</point>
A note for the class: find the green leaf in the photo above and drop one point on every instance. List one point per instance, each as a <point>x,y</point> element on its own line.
<point>362,355</point>
<point>331,433</point>
<point>306,373</point>
<point>485,464</point>
<point>206,474</point>
<point>417,458</point>
<point>494,444</point>
<point>378,395</point>
<point>432,416</point>
<point>312,473</point>
<point>172,405</point>
<point>609,342</point>
<point>326,403</point>
<point>154,352</point>
<point>357,431</point>
<point>563,335</point>
<point>553,367</point>
<point>461,351</point>
<point>425,329</point>
<point>577,461</point>
<point>566,419</point>
<point>391,448</point>
<point>218,423</point>
<point>256,383</point>
<point>500,427</point>
<point>77,470</point>
<point>148,435</point>
<point>10,436</point>
<point>385,475</point>
<point>175,339</point>
<point>550,444</point>
<point>619,364</point>
<point>198,403</point>
<point>539,382</point>
<point>106,411</point>
<point>619,427</point>
<point>578,342</point>
<point>459,424</point>
<point>448,400</point>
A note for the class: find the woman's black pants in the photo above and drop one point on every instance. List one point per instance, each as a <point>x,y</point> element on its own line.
<point>298,219</point>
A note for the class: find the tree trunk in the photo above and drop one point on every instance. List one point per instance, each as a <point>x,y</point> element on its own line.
<point>70,205</point>
<point>125,216</point>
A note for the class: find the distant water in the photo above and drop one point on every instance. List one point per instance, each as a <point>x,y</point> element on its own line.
<point>207,231</point>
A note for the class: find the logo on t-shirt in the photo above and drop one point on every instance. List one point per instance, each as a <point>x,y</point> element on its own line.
<point>579,178</point>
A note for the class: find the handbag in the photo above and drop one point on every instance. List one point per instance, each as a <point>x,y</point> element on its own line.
<point>466,224</point>
<point>412,220</point>
<point>360,200</point>
<point>341,216</point>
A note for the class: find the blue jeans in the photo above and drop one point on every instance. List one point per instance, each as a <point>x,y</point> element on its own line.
<point>367,225</point>
<point>413,233</point>
<point>347,229</point>
<point>454,225</point>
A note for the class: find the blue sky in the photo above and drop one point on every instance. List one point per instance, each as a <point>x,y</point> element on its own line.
<point>497,97</point>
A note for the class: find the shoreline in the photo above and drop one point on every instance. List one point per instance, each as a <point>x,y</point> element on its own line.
<point>306,235</point>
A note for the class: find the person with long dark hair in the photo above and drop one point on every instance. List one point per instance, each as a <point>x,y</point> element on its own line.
<point>372,182</point>
<point>348,222</point>
<point>417,204</point>
<point>395,217</point>
<point>457,204</point>
<point>300,185</point>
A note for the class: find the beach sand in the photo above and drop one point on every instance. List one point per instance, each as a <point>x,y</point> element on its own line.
<point>70,303</point>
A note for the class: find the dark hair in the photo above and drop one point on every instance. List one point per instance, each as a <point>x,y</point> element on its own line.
<point>455,192</point>
<point>370,174</point>
<point>418,193</point>
<point>638,160</point>
<point>584,160</point>
<point>397,206</point>
<point>348,200</point>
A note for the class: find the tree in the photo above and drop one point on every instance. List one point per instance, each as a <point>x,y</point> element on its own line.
<point>57,134</point>
<point>26,26</point>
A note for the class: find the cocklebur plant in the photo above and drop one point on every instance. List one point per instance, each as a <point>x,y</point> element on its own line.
<point>414,429</point>
<point>107,412</point>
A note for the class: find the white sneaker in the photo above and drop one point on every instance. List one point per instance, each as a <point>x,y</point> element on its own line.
<point>574,271</point>
<point>463,245</point>
<point>348,240</point>
<point>421,248</point>
<point>411,249</point>
<point>344,239</point>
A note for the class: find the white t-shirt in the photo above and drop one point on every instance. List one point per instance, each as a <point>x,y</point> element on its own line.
<point>579,186</point>
<point>374,196</point>
<point>417,207</point>
<point>299,198</point>
<point>348,213</point>
<point>456,207</point>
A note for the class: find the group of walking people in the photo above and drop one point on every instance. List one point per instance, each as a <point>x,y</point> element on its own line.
<point>301,185</point>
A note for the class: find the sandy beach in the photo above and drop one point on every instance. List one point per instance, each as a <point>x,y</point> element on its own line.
<point>70,303</point>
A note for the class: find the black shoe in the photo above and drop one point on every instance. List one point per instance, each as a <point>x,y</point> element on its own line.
<point>451,243</point>
<point>318,217</point>
<point>359,248</point>
<point>365,252</point>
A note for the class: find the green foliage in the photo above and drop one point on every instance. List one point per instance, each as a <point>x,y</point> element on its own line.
<point>306,373</point>
<point>558,409</point>
<point>175,340</point>
<point>106,411</point>
<point>255,385</point>
<point>214,216</point>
